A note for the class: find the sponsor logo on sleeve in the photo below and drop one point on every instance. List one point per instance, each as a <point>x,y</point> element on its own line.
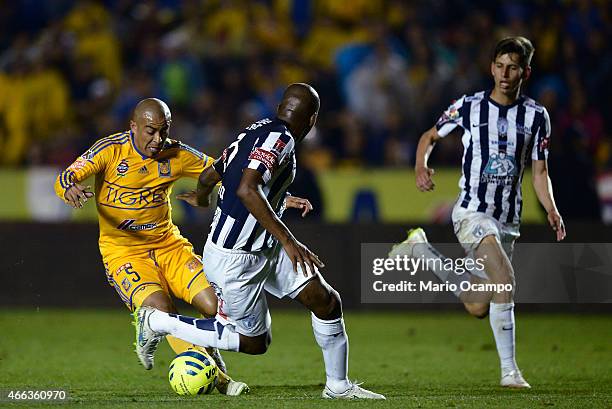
<point>78,164</point>
<point>449,115</point>
<point>269,159</point>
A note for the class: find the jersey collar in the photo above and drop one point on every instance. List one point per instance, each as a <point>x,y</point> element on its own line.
<point>143,156</point>
<point>503,107</point>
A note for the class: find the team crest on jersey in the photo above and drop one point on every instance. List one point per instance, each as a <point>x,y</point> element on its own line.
<point>122,167</point>
<point>502,127</point>
<point>249,321</point>
<point>478,231</point>
<point>164,168</point>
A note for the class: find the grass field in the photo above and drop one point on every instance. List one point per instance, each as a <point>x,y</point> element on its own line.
<point>421,360</point>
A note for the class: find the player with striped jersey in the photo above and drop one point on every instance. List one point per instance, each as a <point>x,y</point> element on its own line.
<point>500,130</point>
<point>249,249</point>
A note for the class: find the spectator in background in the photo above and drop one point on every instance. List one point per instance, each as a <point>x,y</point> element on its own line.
<point>96,58</point>
<point>180,75</point>
<point>90,25</point>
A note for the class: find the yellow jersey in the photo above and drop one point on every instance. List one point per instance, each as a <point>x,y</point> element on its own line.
<point>132,191</point>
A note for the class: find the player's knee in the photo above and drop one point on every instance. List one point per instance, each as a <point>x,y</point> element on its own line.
<point>255,345</point>
<point>478,310</point>
<point>335,307</point>
<point>489,239</point>
<point>330,306</point>
<point>160,301</point>
<point>208,307</point>
<point>206,302</point>
<point>507,278</point>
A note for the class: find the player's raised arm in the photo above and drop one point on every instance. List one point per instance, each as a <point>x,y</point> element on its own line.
<point>67,185</point>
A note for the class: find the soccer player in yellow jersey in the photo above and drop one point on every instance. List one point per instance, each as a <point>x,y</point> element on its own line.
<point>145,257</point>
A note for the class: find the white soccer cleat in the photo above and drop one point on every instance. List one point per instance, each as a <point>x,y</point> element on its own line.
<point>147,340</point>
<point>514,379</point>
<point>406,247</point>
<point>354,392</point>
<point>235,388</point>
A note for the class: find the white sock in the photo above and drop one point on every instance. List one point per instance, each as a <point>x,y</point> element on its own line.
<point>501,317</point>
<point>332,339</point>
<point>435,262</point>
<point>204,332</point>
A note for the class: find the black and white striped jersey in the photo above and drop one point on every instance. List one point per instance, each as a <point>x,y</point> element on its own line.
<point>268,147</point>
<point>497,141</point>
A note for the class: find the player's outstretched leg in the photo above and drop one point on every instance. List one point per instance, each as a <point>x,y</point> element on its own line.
<point>205,301</point>
<point>205,332</point>
<point>328,327</point>
<point>152,325</point>
<point>416,245</point>
<point>147,340</point>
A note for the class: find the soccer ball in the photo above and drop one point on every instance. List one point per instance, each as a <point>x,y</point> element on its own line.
<point>193,373</point>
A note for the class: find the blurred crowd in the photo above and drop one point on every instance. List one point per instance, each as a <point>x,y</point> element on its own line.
<point>71,72</point>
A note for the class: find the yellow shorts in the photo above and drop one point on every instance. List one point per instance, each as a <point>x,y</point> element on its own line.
<point>175,269</point>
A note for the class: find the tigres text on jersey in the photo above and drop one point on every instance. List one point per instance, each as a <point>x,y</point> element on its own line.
<point>132,191</point>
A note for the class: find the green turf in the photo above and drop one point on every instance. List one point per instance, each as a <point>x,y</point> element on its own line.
<point>423,360</point>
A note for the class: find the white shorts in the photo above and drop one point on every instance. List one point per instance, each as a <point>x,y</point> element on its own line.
<point>239,278</point>
<point>471,227</point>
